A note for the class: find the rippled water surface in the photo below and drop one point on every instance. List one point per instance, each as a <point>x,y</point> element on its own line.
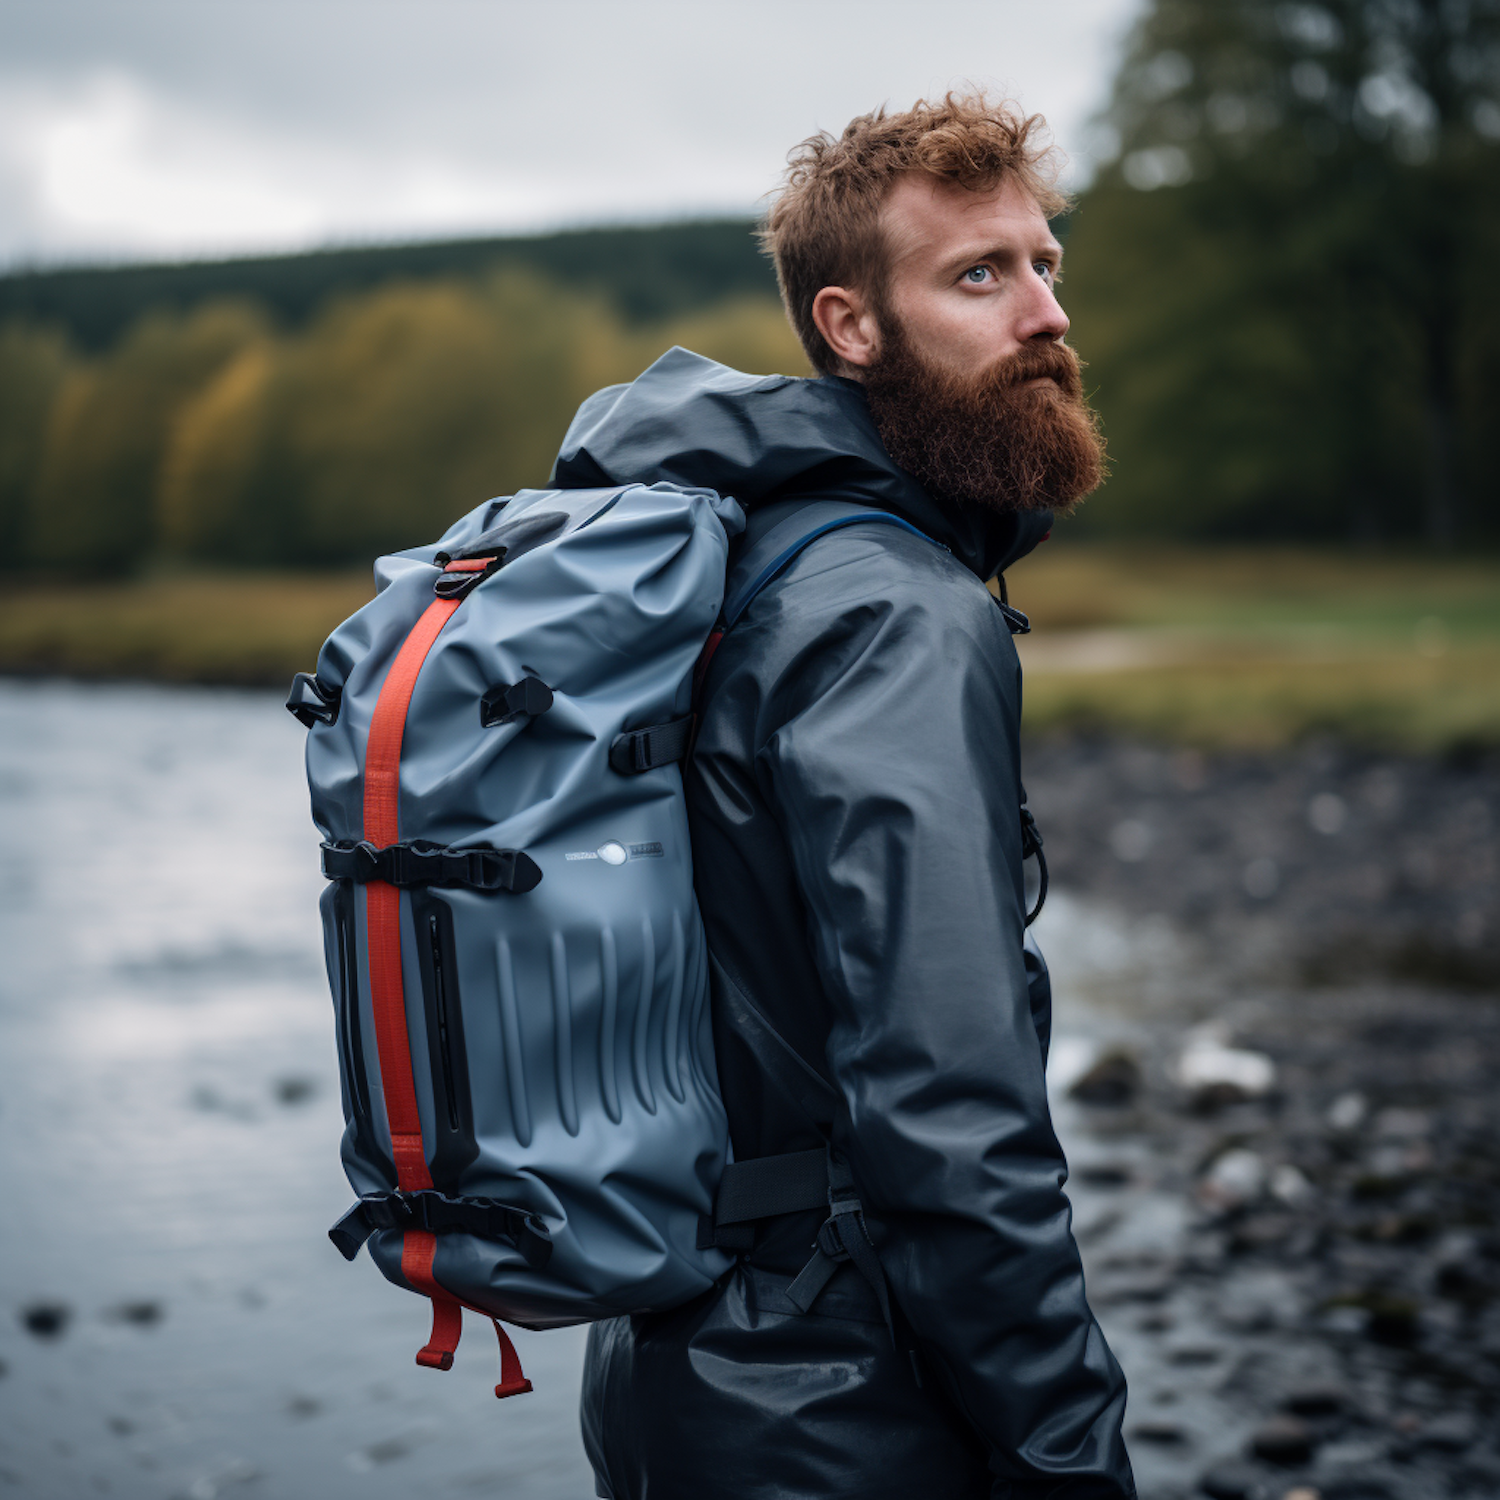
<point>169,1157</point>
<point>173,1321</point>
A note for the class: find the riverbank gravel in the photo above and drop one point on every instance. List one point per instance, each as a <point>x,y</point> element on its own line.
<point>1317,1309</point>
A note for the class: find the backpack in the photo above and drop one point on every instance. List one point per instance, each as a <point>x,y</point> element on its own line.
<point>518,968</point>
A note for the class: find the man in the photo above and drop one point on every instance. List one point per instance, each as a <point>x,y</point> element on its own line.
<point>855,804</point>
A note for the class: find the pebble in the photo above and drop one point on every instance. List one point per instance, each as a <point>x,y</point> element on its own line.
<point>1215,1074</point>
<point>1290,1186</point>
<point>1115,1079</point>
<point>1283,1440</point>
<point>1168,1434</point>
<point>1236,1177</point>
<point>294,1089</point>
<point>1194,1354</point>
<point>1232,1482</point>
<point>1104,1174</point>
<point>1316,1400</point>
<point>1451,1433</point>
<point>141,1314</point>
<point>46,1320</point>
<point>1347,1112</point>
<point>1402,1125</point>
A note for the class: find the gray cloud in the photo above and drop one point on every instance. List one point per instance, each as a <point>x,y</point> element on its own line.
<point>131,129</point>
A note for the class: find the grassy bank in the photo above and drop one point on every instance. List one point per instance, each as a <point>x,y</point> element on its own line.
<point>1262,646</point>
<point>247,628</point>
<point>1232,647</point>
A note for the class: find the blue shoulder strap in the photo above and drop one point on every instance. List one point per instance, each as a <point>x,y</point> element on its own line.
<point>777,533</point>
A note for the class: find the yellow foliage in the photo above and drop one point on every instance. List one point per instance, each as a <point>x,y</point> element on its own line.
<point>34,362</point>
<point>96,490</point>
<point>749,333</point>
<point>212,438</point>
<point>211,455</point>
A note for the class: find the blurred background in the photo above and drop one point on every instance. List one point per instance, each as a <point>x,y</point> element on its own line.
<point>285,286</point>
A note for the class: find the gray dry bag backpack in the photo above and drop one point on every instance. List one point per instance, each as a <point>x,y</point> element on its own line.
<point>520,981</point>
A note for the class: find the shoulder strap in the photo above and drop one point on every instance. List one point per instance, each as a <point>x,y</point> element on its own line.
<point>775,534</point>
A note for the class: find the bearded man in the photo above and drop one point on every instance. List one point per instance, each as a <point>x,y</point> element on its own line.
<point>857,823</point>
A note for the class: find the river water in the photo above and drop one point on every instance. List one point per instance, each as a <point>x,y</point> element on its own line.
<point>173,1320</point>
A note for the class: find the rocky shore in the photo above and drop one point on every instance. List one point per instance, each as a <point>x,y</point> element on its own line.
<point>1286,1137</point>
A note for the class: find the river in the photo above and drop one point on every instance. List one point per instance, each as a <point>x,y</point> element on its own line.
<point>176,1323</point>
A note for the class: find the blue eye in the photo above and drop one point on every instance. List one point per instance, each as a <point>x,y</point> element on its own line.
<point>976,275</point>
<point>1045,271</point>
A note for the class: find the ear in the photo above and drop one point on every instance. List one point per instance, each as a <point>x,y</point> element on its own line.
<point>847,324</point>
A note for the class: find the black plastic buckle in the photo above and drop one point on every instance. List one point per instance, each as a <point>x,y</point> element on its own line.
<point>436,1213</point>
<point>313,702</point>
<point>518,700</point>
<point>830,1240</point>
<point>458,585</point>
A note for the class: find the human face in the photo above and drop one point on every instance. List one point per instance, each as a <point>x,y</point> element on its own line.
<point>971,276</point>
<point>969,382</point>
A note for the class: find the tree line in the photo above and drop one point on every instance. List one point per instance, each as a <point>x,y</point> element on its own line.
<point>214,437</point>
<point>1283,280</point>
<point>1286,278</point>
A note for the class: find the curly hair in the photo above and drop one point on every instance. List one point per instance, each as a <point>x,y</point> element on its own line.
<point>824,227</point>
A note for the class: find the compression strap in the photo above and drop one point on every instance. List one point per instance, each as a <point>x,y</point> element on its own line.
<point>387,989</point>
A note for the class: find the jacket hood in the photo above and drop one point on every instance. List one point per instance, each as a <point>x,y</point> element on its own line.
<point>691,422</point>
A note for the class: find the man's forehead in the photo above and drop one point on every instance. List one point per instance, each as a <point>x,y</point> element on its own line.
<point>929,217</point>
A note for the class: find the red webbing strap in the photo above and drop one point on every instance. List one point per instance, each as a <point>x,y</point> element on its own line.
<point>513,1381</point>
<point>388,993</point>
<point>383,901</point>
<point>417,1250</point>
<point>387,989</point>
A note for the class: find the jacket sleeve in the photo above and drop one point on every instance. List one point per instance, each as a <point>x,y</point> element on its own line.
<point>889,750</point>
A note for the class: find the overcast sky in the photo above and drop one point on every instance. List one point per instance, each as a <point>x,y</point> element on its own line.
<point>153,128</point>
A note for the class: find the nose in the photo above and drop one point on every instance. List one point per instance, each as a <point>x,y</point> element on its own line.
<point>1042,317</point>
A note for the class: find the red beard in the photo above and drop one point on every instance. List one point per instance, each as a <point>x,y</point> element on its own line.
<point>990,439</point>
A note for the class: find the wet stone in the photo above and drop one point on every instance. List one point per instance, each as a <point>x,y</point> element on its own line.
<point>1236,1176</point>
<point>46,1320</point>
<point>1233,1482</point>
<point>294,1090</point>
<point>387,1451</point>
<point>1194,1355</point>
<point>1283,1440</point>
<point>1360,1484</point>
<point>1133,1284</point>
<point>1156,1430</point>
<point>1454,1432</point>
<point>1393,1321</point>
<point>1114,1080</point>
<point>1262,1231</point>
<point>1316,1400</point>
<point>142,1314</point>
<point>1104,1174</point>
<point>1481,1473</point>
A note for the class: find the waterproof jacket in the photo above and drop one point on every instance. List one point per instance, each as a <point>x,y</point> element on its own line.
<point>854,800</point>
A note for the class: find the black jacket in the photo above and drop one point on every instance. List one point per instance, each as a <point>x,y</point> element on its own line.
<point>854,801</point>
